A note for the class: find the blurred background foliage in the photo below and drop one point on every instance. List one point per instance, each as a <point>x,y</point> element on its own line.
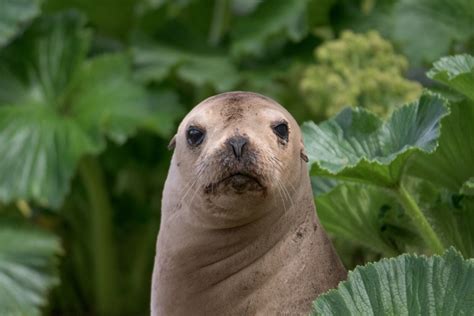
<point>92,91</point>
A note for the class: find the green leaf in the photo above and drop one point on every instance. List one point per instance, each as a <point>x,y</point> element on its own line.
<point>358,145</point>
<point>322,185</point>
<point>14,16</point>
<point>156,62</point>
<point>28,261</point>
<point>273,19</point>
<point>454,217</point>
<point>366,215</point>
<point>453,163</point>
<point>168,109</point>
<point>56,107</point>
<point>456,72</point>
<point>104,99</point>
<point>426,29</point>
<point>37,67</point>
<point>406,285</point>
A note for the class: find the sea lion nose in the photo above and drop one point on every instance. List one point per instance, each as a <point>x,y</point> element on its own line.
<point>237,143</point>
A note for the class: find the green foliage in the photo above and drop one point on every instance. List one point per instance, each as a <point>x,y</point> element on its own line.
<point>427,29</point>
<point>357,144</point>
<point>14,16</point>
<point>28,260</point>
<point>157,62</point>
<point>89,99</point>
<point>60,105</point>
<point>451,167</point>
<point>374,219</point>
<point>456,72</point>
<point>359,70</point>
<point>406,285</point>
<point>267,24</point>
<point>424,30</point>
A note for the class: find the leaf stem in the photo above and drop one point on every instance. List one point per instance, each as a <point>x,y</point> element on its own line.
<point>414,211</point>
<point>104,271</point>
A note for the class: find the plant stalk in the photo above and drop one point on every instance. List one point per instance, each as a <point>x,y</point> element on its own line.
<point>414,211</point>
<point>104,270</point>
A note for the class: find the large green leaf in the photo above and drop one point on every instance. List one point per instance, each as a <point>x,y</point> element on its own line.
<point>406,285</point>
<point>426,29</point>
<point>271,20</point>
<point>453,163</point>
<point>156,62</point>
<point>454,217</point>
<point>14,16</point>
<point>356,144</point>
<point>366,215</point>
<point>28,270</point>
<point>56,107</point>
<point>456,72</point>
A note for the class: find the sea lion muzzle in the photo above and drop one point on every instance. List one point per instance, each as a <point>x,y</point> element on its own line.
<point>237,166</point>
<point>237,144</point>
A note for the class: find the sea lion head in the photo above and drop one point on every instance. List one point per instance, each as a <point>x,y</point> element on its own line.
<point>239,152</point>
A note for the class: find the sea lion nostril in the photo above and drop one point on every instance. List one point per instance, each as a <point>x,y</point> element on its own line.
<point>237,143</point>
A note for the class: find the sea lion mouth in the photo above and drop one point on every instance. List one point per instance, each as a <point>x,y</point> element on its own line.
<point>240,182</point>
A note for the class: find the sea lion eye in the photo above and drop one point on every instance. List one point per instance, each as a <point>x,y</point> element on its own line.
<point>281,130</point>
<point>195,136</point>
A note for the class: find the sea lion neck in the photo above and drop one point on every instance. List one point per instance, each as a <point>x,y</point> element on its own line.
<point>214,256</point>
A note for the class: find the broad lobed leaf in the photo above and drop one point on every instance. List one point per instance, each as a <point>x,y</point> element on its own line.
<point>457,72</point>
<point>254,32</point>
<point>450,170</point>
<point>159,61</point>
<point>56,107</point>
<point>366,215</point>
<point>28,269</point>
<point>405,285</point>
<point>453,163</point>
<point>356,144</point>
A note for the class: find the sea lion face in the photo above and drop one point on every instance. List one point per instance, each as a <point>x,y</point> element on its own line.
<point>240,149</point>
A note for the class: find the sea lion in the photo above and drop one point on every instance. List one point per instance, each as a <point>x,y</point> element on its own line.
<point>239,232</point>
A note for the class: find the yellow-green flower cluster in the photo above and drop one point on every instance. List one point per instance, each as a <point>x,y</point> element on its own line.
<point>357,70</point>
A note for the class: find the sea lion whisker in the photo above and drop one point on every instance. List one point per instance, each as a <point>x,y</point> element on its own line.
<point>190,186</point>
<point>285,192</point>
<point>293,188</point>
<point>281,196</point>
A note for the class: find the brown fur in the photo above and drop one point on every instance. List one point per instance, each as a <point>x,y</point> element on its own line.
<point>254,249</point>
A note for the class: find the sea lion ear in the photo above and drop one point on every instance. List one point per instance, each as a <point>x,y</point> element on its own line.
<point>172,144</point>
<point>303,152</point>
<point>303,155</point>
